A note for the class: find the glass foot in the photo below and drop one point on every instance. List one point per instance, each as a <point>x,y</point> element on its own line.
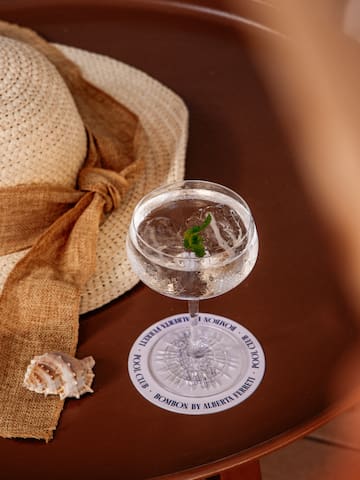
<point>214,364</point>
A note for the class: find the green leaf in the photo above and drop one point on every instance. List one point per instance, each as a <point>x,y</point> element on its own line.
<point>195,242</point>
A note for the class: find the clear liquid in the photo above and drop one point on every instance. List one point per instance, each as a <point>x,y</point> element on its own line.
<point>157,252</point>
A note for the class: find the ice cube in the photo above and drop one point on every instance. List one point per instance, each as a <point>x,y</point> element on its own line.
<point>225,231</point>
<point>163,234</point>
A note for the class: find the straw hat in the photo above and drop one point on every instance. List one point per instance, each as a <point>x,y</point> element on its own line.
<point>42,139</point>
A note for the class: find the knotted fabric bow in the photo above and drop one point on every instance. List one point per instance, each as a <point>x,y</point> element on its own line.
<point>39,306</point>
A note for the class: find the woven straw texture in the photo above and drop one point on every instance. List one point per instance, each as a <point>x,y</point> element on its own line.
<point>53,149</point>
<point>35,139</point>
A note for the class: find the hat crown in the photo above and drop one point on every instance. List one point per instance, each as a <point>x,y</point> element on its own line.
<point>42,136</point>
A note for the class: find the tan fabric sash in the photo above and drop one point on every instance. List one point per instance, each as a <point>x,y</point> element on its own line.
<point>39,306</point>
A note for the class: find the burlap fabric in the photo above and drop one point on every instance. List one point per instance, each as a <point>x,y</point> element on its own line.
<point>39,305</point>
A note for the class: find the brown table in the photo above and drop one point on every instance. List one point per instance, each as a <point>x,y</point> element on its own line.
<point>291,301</point>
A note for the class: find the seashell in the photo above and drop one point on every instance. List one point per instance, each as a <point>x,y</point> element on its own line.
<point>56,373</point>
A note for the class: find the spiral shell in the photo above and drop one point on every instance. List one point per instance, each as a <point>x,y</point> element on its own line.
<point>56,373</point>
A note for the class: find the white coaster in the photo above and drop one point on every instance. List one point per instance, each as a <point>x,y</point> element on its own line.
<point>146,374</point>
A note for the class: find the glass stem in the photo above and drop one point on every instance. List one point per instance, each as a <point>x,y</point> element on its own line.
<point>193,306</point>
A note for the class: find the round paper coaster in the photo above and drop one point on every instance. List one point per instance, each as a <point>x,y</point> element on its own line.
<point>148,374</point>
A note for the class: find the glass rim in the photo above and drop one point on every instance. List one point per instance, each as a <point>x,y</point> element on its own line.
<point>173,185</point>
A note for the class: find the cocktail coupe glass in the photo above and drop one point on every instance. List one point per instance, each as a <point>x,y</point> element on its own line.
<point>197,358</point>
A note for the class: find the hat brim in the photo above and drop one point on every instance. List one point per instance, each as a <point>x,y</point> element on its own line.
<point>164,118</point>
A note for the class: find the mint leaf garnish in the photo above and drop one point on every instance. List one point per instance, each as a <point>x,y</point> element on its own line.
<point>193,241</point>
